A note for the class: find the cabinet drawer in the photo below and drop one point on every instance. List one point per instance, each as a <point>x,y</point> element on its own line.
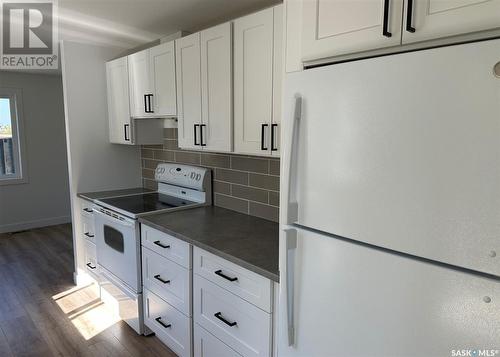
<point>239,324</point>
<point>91,259</point>
<point>206,345</point>
<point>169,325</point>
<point>167,246</point>
<point>88,230</point>
<point>250,286</point>
<point>168,280</point>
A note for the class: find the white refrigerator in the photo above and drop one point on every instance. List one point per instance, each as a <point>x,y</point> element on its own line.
<point>390,206</point>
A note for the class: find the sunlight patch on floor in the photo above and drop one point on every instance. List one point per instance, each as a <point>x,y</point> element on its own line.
<point>84,308</point>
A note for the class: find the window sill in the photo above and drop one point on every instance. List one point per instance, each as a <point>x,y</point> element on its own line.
<point>13,181</point>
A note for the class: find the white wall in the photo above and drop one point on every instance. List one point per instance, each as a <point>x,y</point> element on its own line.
<point>44,199</point>
<point>94,163</point>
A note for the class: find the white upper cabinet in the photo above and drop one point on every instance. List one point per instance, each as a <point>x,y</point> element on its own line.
<point>216,131</point>
<point>257,82</point>
<point>152,82</point>
<point>187,55</point>
<point>204,89</point>
<point>162,65</point>
<point>122,128</point>
<point>140,84</point>
<point>118,101</point>
<point>431,19</point>
<point>336,27</point>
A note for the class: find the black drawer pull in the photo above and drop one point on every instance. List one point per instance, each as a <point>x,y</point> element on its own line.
<point>385,30</point>
<point>89,235</point>
<point>409,17</point>
<point>202,143</point>
<point>219,273</point>
<point>158,319</point>
<point>125,132</point>
<point>158,243</point>
<point>91,266</point>
<point>263,136</point>
<point>157,277</point>
<point>195,132</point>
<point>273,137</point>
<point>219,316</point>
<point>88,210</point>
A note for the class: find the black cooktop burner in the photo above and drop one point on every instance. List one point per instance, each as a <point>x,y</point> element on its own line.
<point>144,203</point>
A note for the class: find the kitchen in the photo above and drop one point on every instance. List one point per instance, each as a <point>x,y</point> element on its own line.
<point>263,178</point>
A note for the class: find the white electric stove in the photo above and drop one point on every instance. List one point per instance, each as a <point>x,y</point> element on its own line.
<point>118,233</point>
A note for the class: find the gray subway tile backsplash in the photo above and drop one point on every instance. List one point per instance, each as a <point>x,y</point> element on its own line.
<point>241,183</point>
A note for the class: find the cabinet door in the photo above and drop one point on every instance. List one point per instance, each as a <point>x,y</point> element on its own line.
<point>140,85</point>
<point>187,54</point>
<point>118,101</point>
<point>216,88</point>
<point>431,19</point>
<point>278,65</point>
<point>205,345</point>
<point>337,27</point>
<point>162,65</point>
<point>253,83</point>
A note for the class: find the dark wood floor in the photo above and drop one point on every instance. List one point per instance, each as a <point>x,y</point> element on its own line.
<point>42,313</point>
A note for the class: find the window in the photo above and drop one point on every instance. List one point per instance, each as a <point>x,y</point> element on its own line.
<point>11,143</point>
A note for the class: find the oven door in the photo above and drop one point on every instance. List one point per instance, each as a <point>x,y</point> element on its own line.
<point>118,247</point>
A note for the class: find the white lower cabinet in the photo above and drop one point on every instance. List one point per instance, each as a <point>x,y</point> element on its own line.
<point>91,260</point>
<point>88,239</point>
<point>171,326</point>
<point>167,279</point>
<point>220,309</point>
<point>239,324</point>
<point>206,345</point>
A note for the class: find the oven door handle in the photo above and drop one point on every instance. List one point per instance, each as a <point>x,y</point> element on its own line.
<point>120,220</point>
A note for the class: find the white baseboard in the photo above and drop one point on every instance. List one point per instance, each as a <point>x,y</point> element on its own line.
<point>21,226</point>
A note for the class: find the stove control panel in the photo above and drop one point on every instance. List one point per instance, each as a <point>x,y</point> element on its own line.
<point>193,177</point>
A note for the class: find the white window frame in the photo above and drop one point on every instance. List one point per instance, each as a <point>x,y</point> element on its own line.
<point>18,144</point>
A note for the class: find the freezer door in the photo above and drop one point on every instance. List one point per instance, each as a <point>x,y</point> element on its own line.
<point>352,300</point>
<point>400,151</point>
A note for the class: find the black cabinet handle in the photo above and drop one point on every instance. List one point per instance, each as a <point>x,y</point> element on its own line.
<point>89,235</point>
<point>91,266</point>
<point>158,319</point>
<point>88,210</point>
<point>409,17</point>
<point>145,103</point>
<point>195,132</point>
<point>202,143</point>
<point>385,30</point>
<point>219,316</point>
<point>125,129</point>
<point>158,243</point>
<point>219,273</point>
<point>157,277</point>
<point>262,136</point>
<point>273,137</point>
<point>149,107</point>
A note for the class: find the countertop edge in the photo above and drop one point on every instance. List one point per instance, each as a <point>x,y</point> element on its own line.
<point>229,257</point>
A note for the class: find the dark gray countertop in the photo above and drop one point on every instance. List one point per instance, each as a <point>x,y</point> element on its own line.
<point>91,196</point>
<point>248,241</point>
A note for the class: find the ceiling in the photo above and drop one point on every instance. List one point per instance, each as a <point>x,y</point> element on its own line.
<point>130,23</point>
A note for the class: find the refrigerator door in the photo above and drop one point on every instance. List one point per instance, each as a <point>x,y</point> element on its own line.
<point>339,298</point>
<point>400,151</point>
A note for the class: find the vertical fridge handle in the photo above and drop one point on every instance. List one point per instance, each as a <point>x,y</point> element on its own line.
<point>292,207</point>
<point>291,246</point>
